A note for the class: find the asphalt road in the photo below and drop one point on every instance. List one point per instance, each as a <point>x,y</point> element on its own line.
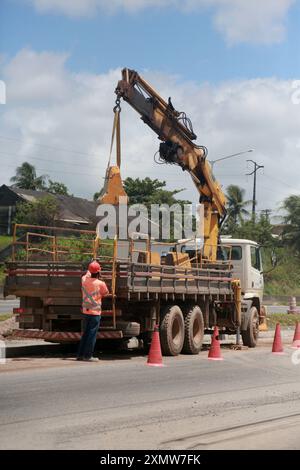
<point>6,306</point>
<point>251,400</point>
<point>277,309</point>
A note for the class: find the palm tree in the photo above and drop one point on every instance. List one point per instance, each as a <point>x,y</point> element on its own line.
<point>26,178</point>
<point>236,204</point>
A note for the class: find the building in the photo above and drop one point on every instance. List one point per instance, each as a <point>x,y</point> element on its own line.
<point>75,212</point>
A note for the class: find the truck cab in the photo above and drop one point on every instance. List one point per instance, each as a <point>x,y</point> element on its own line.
<point>243,257</point>
<point>246,261</point>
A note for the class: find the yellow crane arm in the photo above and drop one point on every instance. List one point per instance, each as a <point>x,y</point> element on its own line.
<point>175,131</point>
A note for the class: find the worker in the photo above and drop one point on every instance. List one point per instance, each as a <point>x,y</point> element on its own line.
<point>93,290</point>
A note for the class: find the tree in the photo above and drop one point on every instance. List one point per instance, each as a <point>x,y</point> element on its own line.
<point>26,178</point>
<point>43,211</point>
<point>150,191</point>
<point>260,231</point>
<point>291,233</point>
<point>236,204</point>
<point>96,195</point>
<point>55,187</point>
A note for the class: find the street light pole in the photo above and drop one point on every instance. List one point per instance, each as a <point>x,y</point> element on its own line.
<point>256,168</point>
<point>212,162</point>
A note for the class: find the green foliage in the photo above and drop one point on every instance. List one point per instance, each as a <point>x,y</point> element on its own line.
<point>5,240</point>
<point>96,195</point>
<point>43,211</point>
<point>26,178</point>
<point>77,249</point>
<point>291,235</point>
<point>236,204</point>
<point>285,278</point>
<point>285,319</point>
<point>54,187</point>
<point>150,191</point>
<point>259,231</point>
<point>2,275</point>
<point>5,316</point>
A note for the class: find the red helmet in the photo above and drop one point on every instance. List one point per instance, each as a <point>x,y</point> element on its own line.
<point>94,267</point>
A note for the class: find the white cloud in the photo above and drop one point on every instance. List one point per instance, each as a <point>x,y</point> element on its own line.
<point>61,122</point>
<point>253,21</point>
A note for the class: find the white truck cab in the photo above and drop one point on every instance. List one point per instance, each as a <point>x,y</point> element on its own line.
<point>247,267</point>
<point>246,262</point>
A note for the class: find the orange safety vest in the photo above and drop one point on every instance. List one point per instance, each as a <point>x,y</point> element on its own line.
<point>92,292</point>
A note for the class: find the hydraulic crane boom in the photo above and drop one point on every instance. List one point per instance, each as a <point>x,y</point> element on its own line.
<point>175,131</point>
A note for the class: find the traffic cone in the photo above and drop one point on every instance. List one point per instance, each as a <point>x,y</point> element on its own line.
<point>296,339</point>
<point>277,344</point>
<point>214,353</point>
<point>155,356</point>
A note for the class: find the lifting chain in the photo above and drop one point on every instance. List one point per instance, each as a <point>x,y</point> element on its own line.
<point>117,107</point>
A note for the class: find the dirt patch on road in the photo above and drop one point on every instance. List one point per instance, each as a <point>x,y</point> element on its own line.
<point>23,363</point>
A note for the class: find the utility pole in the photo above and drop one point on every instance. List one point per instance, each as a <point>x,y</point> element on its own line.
<point>267,213</point>
<point>256,168</point>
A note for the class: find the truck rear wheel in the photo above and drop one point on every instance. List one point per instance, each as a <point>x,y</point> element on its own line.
<point>193,330</point>
<point>172,331</point>
<point>250,335</point>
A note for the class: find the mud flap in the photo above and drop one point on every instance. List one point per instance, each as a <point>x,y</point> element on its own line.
<point>246,308</point>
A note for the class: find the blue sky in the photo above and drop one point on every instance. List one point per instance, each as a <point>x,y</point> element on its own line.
<point>166,40</point>
<point>230,64</point>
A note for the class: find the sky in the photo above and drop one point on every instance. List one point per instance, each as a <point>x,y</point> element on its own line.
<point>232,65</point>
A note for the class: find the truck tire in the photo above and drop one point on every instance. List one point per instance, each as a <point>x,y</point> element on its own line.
<point>172,331</point>
<point>250,335</point>
<point>193,330</point>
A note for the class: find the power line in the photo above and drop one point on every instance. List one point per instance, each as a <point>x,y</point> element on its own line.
<point>279,181</point>
<point>50,160</point>
<point>36,144</point>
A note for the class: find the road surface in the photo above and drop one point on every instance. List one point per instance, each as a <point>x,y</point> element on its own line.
<point>6,306</point>
<point>277,309</point>
<point>251,400</point>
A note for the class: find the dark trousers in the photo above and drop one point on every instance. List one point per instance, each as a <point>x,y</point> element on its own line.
<point>89,337</point>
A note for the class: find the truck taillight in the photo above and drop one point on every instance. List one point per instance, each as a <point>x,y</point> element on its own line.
<point>19,310</point>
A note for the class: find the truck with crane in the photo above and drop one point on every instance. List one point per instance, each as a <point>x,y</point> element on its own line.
<point>192,288</point>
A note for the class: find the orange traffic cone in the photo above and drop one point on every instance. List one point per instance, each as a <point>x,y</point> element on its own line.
<point>296,339</point>
<point>215,348</point>
<point>277,344</point>
<point>155,357</point>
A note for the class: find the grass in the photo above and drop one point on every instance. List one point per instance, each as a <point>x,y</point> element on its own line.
<point>2,275</point>
<point>5,316</point>
<point>285,278</point>
<point>285,319</point>
<point>5,240</point>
